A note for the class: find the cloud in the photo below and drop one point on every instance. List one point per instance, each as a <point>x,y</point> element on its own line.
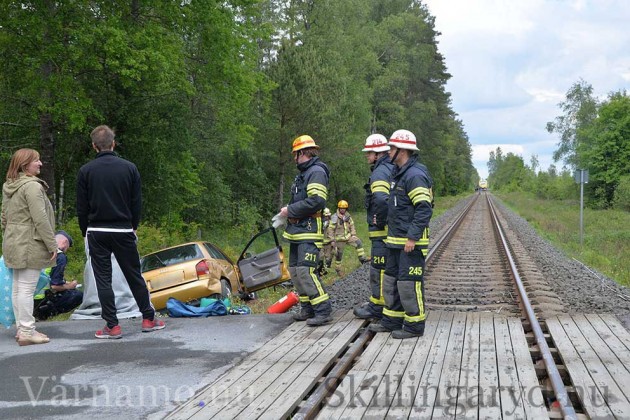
<point>513,62</point>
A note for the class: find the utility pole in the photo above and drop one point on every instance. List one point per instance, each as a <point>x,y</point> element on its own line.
<point>581,176</point>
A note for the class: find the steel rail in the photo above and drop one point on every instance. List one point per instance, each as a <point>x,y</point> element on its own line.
<point>313,404</point>
<point>557,384</point>
<point>449,232</point>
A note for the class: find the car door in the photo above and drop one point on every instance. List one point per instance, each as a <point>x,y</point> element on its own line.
<point>262,262</point>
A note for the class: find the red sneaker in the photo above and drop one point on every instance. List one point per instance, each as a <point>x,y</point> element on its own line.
<point>149,325</point>
<point>114,332</point>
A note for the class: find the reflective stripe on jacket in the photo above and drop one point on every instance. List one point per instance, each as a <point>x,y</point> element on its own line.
<point>308,197</point>
<point>410,205</point>
<point>376,197</point>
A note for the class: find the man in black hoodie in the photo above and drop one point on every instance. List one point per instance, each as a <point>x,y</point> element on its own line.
<point>109,200</point>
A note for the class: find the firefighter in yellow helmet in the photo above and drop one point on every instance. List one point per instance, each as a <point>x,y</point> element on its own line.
<point>325,259</point>
<point>305,231</point>
<point>410,207</point>
<point>341,231</point>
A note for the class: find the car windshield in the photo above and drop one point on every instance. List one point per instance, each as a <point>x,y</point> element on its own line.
<point>171,256</point>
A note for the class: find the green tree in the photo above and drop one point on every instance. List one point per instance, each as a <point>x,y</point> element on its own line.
<point>175,80</point>
<point>579,111</point>
<point>606,149</point>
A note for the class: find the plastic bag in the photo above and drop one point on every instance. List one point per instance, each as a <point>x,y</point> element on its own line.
<point>178,309</point>
<point>7,317</point>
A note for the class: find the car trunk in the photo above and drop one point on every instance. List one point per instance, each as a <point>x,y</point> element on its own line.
<point>167,277</point>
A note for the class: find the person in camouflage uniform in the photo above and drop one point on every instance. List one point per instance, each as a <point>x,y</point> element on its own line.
<point>341,231</point>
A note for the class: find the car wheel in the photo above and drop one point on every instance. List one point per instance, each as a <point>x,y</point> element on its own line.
<point>226,289</point>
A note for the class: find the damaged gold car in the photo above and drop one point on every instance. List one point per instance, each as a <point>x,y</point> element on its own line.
<point>194,270</point>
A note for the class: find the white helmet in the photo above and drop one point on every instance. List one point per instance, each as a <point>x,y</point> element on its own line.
<point>403,139</point>
<point>376,143</point>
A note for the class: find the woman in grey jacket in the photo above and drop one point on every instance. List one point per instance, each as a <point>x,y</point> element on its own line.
<point>28,244</point>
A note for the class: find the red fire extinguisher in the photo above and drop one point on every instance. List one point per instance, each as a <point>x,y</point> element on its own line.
<point>283,305</point>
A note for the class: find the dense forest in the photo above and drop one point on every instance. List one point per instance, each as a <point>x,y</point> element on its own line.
<point>206,96</point>
<point>594,136</point>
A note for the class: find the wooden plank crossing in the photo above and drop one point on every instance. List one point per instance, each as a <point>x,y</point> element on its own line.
<point>596,352</point>
<point>272,381</point>
<point>467,365</point>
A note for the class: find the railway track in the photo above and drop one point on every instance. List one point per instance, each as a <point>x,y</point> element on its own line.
<point>477,265</point>
<point>467,269</point>
<point>486,335</point>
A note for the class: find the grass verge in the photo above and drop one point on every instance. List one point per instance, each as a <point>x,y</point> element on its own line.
<point>606,241</point>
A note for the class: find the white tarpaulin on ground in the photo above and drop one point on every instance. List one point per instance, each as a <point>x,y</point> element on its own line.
<point>90,308</point>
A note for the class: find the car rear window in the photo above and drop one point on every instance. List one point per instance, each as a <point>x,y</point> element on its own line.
<point>216,252</point>
<point>171,256</point>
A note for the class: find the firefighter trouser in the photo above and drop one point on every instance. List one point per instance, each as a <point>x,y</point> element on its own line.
<point>303,261</point>
<point>355,242</point>
<point>404,291</point>
<point>377,274</point>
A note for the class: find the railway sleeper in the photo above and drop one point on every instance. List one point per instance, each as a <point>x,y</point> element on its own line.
<point>549,395</point>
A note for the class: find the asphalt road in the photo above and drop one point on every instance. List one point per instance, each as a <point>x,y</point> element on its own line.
<point>142,375</point>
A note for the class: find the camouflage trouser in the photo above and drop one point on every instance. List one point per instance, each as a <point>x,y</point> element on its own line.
<point>327,253</point>
<point>403,290</point>
<point>353,241</point>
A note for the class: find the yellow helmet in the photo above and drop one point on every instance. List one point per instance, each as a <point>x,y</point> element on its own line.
<point>327,211</point>
<point>342,204</point>
<point>303,142</point>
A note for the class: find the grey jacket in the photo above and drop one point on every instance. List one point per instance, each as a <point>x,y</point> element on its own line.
<point>28,224</point>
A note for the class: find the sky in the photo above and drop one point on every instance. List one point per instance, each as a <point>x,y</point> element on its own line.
<point>513,61</point>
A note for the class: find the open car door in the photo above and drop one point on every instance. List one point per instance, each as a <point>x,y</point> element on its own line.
<point>262,263</point>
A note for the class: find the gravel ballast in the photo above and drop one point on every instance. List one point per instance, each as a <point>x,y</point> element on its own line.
<point>581,288</point>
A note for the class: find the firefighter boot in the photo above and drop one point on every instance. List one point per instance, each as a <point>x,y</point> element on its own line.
<point>323,313</point>
<point>361,254</point>
<point>306,312</point>
<point>417,331</point>
<point>368,311</point>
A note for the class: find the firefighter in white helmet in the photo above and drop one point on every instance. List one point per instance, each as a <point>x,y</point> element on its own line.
<point>376,197</point>
<point>342,231</point>
<point>410,208</point>
<point>305,232</point>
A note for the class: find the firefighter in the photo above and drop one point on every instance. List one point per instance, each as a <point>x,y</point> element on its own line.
<point>325,262</point>
<point>376,196</point>
<point>410,208</point>
<point>305,231</point>
<point>341,231</point>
